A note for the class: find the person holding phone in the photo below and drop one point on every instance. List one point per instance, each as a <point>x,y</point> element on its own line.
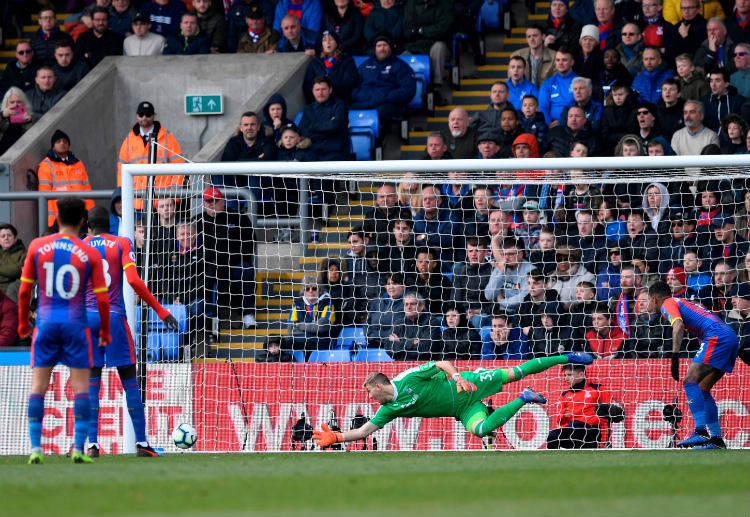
<point>16,117</point>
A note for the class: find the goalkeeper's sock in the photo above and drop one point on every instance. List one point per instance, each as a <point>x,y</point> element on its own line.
<point>695,402</point>
<point>712,414</point>
<point>135,408</point>
<point>500,416</point>
<point>35,415</point>
<point>82,416</point>
<point>95,385</point>
<point>537,365</point>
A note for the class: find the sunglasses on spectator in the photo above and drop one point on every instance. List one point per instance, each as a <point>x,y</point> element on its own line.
<point>29,51</point>
<point>678,223</point>
<point>311,288</point>
<point>643,112</point>
<point>629,33</point>
<point>740,54</point>
<point>562,258</point>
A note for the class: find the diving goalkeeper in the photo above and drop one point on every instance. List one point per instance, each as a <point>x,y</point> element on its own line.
<point>436,389</point>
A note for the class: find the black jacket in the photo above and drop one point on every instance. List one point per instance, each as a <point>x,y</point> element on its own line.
<point>377,223</point>
<point>670,118</point>
<point>418,338</point>
<point>327,125</point>
<point>94,49</point>
<point>469,282</point>
<point>69,76</point>
<point>342,74</point>
<point>561,139</point>
<point>228,238</point>
<point>460,343</point>
<point>44,48</point>
<point>436,291</point>
<point>616,122</point>
<point>20,77</point>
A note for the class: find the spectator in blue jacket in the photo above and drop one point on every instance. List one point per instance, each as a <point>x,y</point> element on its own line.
<point>295,39</point>
<point>648,82</point>
<point>556,92</point>
<point>722,100</point>
<point>518,85</point>
<point>326,122</point>
<point>164,15</point>
<point>334,63</point>
<point>582,91</point>
<point>505,341</point>
<point>308,12</point>
<point>436,227</point>
<point>385,82</point>
<point>190,39</point>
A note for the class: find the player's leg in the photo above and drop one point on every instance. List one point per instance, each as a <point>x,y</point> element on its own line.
<point>541,364</point>
<point>710,410</point>
<point>95,385</point>
<point>696,403</point>
<point>136,410</point>
<point>477,421</point>
<point>79,383</point>
<point>39,384</point>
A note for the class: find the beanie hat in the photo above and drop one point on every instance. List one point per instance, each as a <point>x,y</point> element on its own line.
<point>57,135</point>
<point>591,31</point>
<point>383,36</point>
<point>679,274</point>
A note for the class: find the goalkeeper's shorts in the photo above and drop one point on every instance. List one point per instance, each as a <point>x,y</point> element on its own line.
<point>472,409</point>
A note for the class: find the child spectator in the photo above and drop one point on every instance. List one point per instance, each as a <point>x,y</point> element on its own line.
<point>531,226</point>
<point>275,116</point>
<point>616,115</point>
<point>615,227</point>
<point>733,134</point>
<point>545,338</point>
<point>272,352</point>
<point>602,339</point>
<point>608,280</point>
<point>538,295</point>
<point>542,255</point>
<point>574,321</point>
<point>533,121</point>
<point>693,83</point>
<point>341,294</point>
<point>505,342</point>
<point>460,341</point>
<point>697,279</point>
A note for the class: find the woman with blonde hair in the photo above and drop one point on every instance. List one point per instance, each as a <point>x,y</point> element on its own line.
<point>410,194</point>
<point>16,117</point>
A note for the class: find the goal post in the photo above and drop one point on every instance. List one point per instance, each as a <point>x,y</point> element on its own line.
<point>238,404</point>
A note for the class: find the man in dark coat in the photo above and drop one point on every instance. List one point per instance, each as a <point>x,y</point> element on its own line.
<point>99,42</point>
<point>326,122</point>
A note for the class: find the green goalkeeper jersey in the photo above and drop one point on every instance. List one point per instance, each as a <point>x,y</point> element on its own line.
<point>425,391</point>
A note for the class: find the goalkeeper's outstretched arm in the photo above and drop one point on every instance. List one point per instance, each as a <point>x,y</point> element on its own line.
<point>327,437</point>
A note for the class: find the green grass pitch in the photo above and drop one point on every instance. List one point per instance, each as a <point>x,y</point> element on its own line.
<point>579,483</point>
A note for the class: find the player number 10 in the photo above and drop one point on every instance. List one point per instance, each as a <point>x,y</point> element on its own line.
<point>58,279</point>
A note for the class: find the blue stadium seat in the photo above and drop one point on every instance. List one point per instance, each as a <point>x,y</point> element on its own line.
<point>298,118</point>
<point>489,15</point>
<point>299,356</point>
<point>487,345</point>
<point>163,345</point>
<point>420,65</point>
<point>349,337</point>
<point>363,134</point>
<point>372,355</point>
<point>177,310</point>
<point>455,63</point>
<point>330,356</point>
<point>358,60</point>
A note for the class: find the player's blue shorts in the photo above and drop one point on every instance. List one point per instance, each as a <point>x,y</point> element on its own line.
<point>120,351</point>
<point>61,343</point>
<point>719,351</point>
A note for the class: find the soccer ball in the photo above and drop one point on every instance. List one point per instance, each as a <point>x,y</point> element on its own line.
<point>184,436</point>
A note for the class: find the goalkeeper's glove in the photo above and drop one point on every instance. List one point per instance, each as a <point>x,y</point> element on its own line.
<point>462,384</point>
<point>676,366</point>
<point>327,437</point>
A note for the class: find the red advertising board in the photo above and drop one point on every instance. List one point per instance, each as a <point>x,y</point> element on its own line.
<point>253,407</point>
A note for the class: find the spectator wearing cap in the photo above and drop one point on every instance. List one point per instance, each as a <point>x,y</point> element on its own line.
<point>143,42</point>
<point>531,226</point>
<point>134,149</point>
<point>212,23</point>
<point>741,78</point>
<point>488,145</point>
<point>717,50</point>
<point>164,15</point>
<point>332,62</point>
<point>489,119</point>
<point>608,279</point>
<point>326,122</point>
<point>309,13</point>
<point>344,18</point>
<point>582,94</point>
<point>723,99</point>
<point>99,42</point>
<point>60,171</point>
<point>669,108</point>
<point>574,129</point>
<point>569,273</point>
<point>589,59</point>
<point>45,93</point>
<point>386,83</point>
<point>644,123</point>
<point>680,238</point>
<point>272,352</point>
<point>236,23</point>
<point>691,139</point>
<point>190,40</point>
<point>561,30</point>
<point>258,37</point>
<point>459,137</point>
<point>294,38</point>
<point>229,247</point>
<point>725,244</point>
<point>648,82</point>
<point>386,16</point>
<point>427,30</point>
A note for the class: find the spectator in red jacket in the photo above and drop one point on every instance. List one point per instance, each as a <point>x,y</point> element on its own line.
<point>8,321</point>
<point>580,427</point>
<point>603,340</point>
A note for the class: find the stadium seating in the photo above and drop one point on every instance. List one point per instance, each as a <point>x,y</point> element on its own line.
<point>372,355</point>
<point>351,337</point>
<point>364,133</point>
<point>299,356</point>
<point>163,344</point>
<point>330,356</point>
<point>420,65</point>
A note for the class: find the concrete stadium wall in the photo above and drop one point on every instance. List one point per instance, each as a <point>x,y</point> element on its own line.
<point>100,110</point>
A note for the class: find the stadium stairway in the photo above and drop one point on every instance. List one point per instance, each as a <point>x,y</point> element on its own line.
<point>473,94</point>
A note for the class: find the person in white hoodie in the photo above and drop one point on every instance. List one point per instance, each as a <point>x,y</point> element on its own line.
<point>508,284</point>
<point>656,207</point>
<point>569,274</point>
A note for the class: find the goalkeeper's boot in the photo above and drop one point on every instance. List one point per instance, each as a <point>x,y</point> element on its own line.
<point>79,457</point>
<point>699,437</point>
<point>532,397</point>
<point>579,358</point>
<point>146,452</point>
<point>36,458</point>
<point>93,451</point>
<point>716,442</point>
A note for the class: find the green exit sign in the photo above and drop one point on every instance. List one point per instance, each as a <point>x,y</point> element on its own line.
<point>203,105</point>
